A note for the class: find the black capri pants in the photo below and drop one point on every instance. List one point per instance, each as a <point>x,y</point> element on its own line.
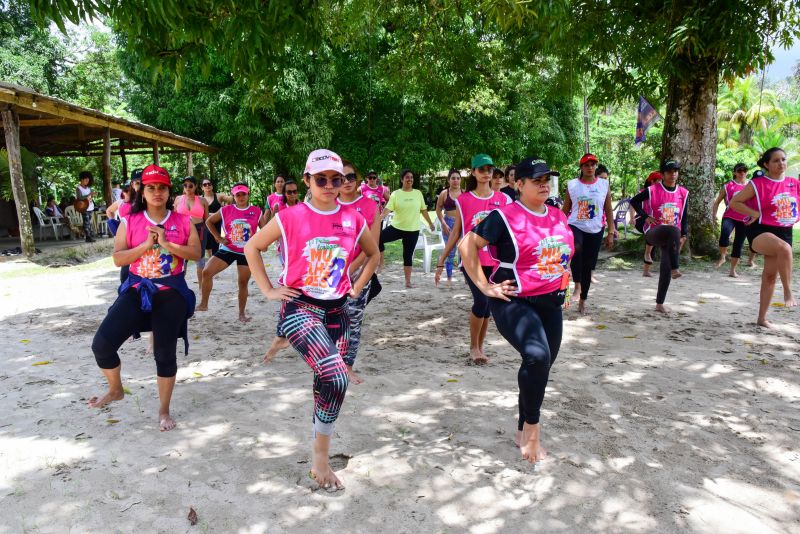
<point>533,326</point>
<point>125,318</point>
<point>480,302</point>
<point>728,226</point>
<point>390,233</point>
<point>587,248</point>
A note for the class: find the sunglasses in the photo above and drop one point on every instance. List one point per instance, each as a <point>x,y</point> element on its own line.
<point>207,184</point>
<point>291,191</point>
<point>323,181</point>
<point>372,177</point>
<point>351,177</point>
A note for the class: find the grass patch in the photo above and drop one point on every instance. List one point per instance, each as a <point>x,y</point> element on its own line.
<point>80,257</point>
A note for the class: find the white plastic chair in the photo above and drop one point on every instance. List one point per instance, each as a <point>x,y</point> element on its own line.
<point>46,221</point>
<point>75,221</point>
<point>428,242</point>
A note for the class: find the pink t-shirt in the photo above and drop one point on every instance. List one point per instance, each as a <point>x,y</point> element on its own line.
<point>240,225</point>
<point>367,208</point>
<point>318,248</point>
<point>731,188</point>
<point>776,201</point>
<point>544,243</point>
<point>157,262</point>
<point>667,207</point>
<point>276,200</point>
<point>473,210</point>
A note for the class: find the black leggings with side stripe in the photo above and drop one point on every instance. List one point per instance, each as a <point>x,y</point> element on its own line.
<point>390,233</point>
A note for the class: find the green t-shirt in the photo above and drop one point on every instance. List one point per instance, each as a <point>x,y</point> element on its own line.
<point>406,207</point>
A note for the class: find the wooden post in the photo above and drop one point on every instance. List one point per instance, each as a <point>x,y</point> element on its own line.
<point>107,194</point>
<point>211,167</point>
<point>189,164</point>
<point>125,177</point>
<point>155,153</point>
<point>11,129</point>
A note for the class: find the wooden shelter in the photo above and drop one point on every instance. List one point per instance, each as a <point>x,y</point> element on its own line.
<point>49,126</point>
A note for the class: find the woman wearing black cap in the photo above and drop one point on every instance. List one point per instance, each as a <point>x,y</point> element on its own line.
<point>665,224</point>
<point>731,220</point>
<point>586,199</point>
<point>528,287</point>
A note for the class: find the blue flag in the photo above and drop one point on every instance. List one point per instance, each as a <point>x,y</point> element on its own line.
<point>645,117</point>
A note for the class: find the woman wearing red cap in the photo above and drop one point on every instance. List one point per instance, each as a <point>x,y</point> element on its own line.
<point>527,288</point>
<point>241,221</point>
<point>321,240</point>
<point>662,208</point>
<point>586,199</point>
<point>156,243</point>
<point>771,203</point>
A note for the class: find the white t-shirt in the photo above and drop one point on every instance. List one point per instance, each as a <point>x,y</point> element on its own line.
<point>84,192</point>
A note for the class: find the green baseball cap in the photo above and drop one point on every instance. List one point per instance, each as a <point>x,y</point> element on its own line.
<point>479,160</point>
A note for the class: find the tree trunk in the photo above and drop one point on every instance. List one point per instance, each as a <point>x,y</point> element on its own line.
<point>189,164</point>
<point>690,138</point>
<point>108,196</point>
<point>156,160</point>
<point>11,129</point>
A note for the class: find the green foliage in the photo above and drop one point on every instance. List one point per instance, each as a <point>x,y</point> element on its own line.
<point>29,160</point>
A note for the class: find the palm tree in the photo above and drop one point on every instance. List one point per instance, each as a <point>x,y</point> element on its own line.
<point>764,140</point>
<point>743,108</point>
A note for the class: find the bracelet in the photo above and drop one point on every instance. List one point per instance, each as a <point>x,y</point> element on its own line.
<point>439,266</point>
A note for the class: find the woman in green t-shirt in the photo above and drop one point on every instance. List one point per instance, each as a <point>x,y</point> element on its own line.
<point>407,204</point>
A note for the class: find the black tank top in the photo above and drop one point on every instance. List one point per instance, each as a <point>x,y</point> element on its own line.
<point>214,206</point>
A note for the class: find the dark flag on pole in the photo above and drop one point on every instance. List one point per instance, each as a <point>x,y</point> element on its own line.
<point>645,117</point>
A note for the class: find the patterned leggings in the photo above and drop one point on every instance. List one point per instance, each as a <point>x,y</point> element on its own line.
<point>321,336</point>
<point>451,258</point>
<point>355,310</point>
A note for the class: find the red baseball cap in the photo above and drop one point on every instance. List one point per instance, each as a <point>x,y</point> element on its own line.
<point>588,157</point>
<point>654,177</point>
<point>153,174</point>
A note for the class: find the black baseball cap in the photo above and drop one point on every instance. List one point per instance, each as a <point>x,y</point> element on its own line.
<point>739,167</point>
<point>371,172</point>
<point>670,165</point>
<point>136,174</point>
<point>190,179</point>
<point>498,170</point>
<point>533,168</point>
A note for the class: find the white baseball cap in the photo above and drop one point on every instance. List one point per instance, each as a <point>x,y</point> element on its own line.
<point>323,160</point>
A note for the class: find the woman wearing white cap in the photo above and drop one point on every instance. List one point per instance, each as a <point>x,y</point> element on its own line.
<point>241,220</point>
<point>320,240</point>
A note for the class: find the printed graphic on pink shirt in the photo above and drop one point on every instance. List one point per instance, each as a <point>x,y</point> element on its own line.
<point>327,262</point>
<point>785,208</point>
<point>553,255</point>
<point>240,232</point>
<point>586,208</point>
<point>479,217</point>
<point>669,213</point>
<point>156,263</point>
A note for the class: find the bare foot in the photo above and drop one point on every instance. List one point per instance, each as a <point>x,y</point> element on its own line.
<point>676,274</point>
<point>201,307</point>
<point>409,285</point>
<point>278,344</point>
<point>764,323</point>
<point>165,422</point>
<point>449,284</point>
<point>646,271</point>
<point>322,473</point>
<point>244,318</point>
<point>733,274</point>
<point>576,293</point>
<point>354,378</point>
<point>719,262</point>
<point>111,396</point>
<point>661,308</point>
<point>582,307</point>
<point>477,356</point>
<point>789,301</point>
<point>529,446</point>
<point>595,280</point>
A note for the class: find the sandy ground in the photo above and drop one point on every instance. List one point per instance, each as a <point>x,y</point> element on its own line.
<point>654,424</point>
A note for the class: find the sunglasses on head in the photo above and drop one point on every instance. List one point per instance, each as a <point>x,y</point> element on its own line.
<point>323,181</point>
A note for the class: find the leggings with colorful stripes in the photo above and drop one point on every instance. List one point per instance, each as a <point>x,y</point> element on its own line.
<point>355,310</point>
<point>319,331</point>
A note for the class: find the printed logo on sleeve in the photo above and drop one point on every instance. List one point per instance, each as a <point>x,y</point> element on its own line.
<point>553,256</point>
<point>326,266</point>
<point>479,217</point>
<point>785,208</point>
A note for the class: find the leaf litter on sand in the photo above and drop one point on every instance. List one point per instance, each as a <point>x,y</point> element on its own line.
<point>192,517</point>
<point>43,362</point>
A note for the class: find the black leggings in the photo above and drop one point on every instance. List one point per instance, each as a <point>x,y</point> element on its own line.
<point>534,329</point>
<point>480,302</point>
<point>668,239</point>
<point>587,248</point>
<point>390,233</point>
<point>126,317</point>
<point>728,226</point>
